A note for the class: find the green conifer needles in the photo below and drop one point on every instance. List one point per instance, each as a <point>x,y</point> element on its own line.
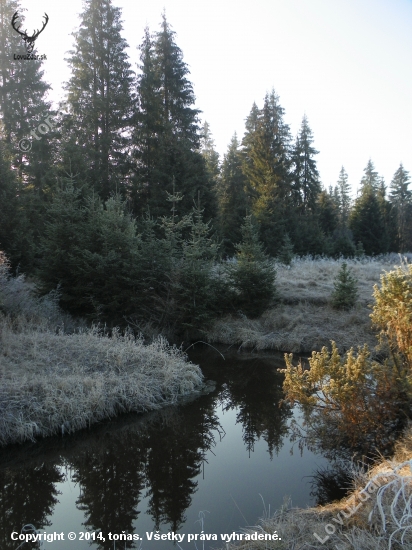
<point>346,293</point>
<point>252,276</point>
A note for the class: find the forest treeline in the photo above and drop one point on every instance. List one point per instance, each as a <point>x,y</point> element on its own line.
<point>122,202</point>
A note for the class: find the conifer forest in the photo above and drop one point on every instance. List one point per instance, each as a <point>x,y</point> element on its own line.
<point>124,207</point>
<point>147,276</point>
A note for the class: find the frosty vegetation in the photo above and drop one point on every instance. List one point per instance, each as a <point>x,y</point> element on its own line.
<point>58,377</point>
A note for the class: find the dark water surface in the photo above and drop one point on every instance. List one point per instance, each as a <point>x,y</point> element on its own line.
<point>227,454</point>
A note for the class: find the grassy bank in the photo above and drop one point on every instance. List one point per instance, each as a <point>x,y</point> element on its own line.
<point>57,376</point>
<point>59,383</point>
<point>304,320</point>
<point>376,515</point>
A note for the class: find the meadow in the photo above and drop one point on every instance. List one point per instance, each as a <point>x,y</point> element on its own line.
<point>304,319</point>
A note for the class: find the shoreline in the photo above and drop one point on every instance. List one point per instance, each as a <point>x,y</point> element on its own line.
<point>304,320</point>
<point>285,328</point>
<point>375,513</point>
<point>61,383</point>
<point>85,376</point>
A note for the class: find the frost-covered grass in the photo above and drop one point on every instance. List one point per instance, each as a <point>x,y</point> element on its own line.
<point>311,280</point>
<point>58,383</point>
<point>58,377</point>
<point>304,320</point>
<point>377,515</point>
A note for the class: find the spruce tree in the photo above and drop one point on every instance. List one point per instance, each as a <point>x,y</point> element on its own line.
<point>339,238</point>
<point>252,277</point>
<point>91,252</point>
<point>345,291</point>
<point>367,222</point>
<point>327,212</point>
<point>110,263</point>
<point>306,230</point>
<point>401,200</point>
<point>267,168</point>
<point>210,156</point>
<point>305,175</point>
<point>198,283</point>
<point>232,198</point>
<point>147,127</point>
<point>368,219</point>
<point>23,106</point>
<point>388,217</point>
<point>65,235</point>
<point>176,149</point>
<point>370,178</point>
<point>99,99</point>
<point>343,194</point>
<point>286,252</point>
<point>10,221</point>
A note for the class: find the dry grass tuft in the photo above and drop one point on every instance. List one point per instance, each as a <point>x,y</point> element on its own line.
<point>305,321</point>
<point>300,328</point>
<point>377,515</point>
<point>59,383</point>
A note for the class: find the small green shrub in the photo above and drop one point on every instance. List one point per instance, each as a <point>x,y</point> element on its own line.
<point>252,277</point>
<point>286,252</point>
<point>360,251</point>
<point>346,293</point>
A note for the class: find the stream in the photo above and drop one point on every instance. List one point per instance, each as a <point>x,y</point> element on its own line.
<point>215,464</point>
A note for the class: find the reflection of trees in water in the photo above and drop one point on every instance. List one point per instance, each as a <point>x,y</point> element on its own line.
<point>321,436</point>
<point>110,479</point>
<point>161,454</point>
<point>257,393</point>
<point>172,462</point>
<point>175,457</point>
<point>28,495</point>
<point>164,456</point>
<point>320,433</point>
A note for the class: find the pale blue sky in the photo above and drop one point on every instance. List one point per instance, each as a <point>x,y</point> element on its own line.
<point>347,64</point>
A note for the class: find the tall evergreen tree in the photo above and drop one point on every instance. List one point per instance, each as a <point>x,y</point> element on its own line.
<point>210,155</point>
<point>327,212</point>
<point>23,107</point>
<point>369,217</point>
<point>401,199</point>
<point>8,206</point>
<point>147,127</point>
<point>388,217</point>
<point>305,175</point>
<point>99,99</point>
<point>267,168</point>
<point>232,197</point>
<point>367,222</point>
<point>370,178</point>
<point>340,241</point>
<point>343,194</point>
<point>174,126</point>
